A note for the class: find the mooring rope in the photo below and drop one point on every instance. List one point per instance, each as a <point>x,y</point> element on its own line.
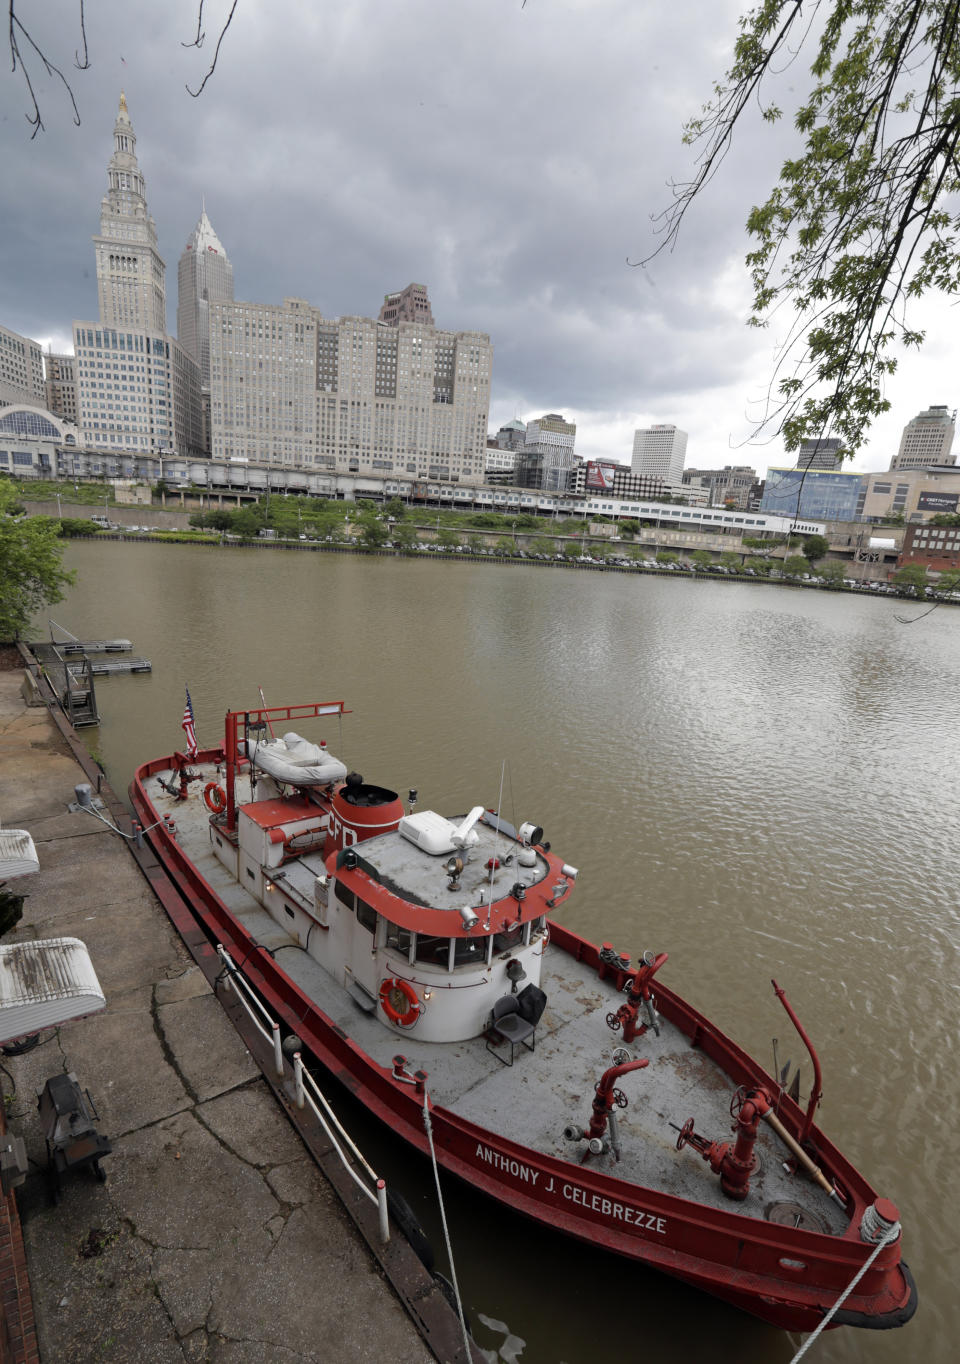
<point>443,1218</point>
<point>889,1235</point>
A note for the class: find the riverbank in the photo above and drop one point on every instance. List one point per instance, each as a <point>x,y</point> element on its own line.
<point>215,1236</point>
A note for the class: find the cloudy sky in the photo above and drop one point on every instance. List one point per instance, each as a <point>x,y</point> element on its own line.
<point>509,156</point>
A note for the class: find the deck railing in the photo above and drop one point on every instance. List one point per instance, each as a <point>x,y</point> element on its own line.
<point>308,1092</point>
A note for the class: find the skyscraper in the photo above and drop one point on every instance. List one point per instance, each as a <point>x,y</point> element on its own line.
<point>825,453</point>
<point>204,276</point>
<point>659,452</point>
<point>130,274</point>
<point>138,389</point>
<point>927,440</point>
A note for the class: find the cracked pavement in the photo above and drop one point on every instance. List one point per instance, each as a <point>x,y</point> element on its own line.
<point>215,1238</point>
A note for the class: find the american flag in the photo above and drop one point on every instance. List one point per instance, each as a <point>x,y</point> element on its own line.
<point>187,726</point>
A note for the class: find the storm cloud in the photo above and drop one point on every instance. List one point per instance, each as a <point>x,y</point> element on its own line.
<point>511,157</point>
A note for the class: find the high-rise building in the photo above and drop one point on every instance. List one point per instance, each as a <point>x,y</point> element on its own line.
<point>289,386</point>
<point>61,386</point>
<point>130,273</point>
<point>138,389</point>
<point>547,458</point>
<point>659,452</point>
<point>21,370</point>
<point>409,305</point>
<point>512,435</point>
<point>824,453</point>
<point>927,440</point>
<point>204,276</point>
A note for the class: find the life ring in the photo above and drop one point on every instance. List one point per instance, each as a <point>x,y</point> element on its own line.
<point>399,1001</point>
<point>215,798</point>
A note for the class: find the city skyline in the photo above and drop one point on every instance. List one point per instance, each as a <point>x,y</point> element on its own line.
<point>514,196</point>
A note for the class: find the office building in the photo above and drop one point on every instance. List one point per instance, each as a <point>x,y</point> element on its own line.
<point>512,435</point>
<point>60,383</point>
<point>660,452</point>
<point>927,440</point>
<point>21,369</point>
<point>811,494</point>
<point>204,276</point>
<point>290,386</point>
<point>547,458</point>
<point>130,274</point>
<point>914,494</point>
<point>731,484</point>
<point>139,391</point>
<point>825,453</point>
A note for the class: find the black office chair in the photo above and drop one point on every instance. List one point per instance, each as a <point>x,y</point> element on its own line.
<point>507,1025</point>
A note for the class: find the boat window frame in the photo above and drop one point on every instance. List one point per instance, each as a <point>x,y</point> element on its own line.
<point>424,961</point>
<point>361,905</point>
<point>344,895</point>
<point>475,962</point>
<point>409,954</point>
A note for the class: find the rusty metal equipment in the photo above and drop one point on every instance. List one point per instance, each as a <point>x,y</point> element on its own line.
<point>68,1118</point>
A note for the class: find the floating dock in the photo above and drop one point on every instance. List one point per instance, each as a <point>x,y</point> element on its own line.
<point>71,664</point>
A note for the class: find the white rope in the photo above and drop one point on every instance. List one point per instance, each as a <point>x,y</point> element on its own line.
<point>890,1235</point>
<point>443,1218</point>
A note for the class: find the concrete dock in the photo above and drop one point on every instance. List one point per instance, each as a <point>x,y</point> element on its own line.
<point>215,1237</point>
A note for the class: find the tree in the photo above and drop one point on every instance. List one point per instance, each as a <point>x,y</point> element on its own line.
<point>666,556</point>
<point>945,519</point>
<point>833,572</point>
<point>629,529</point>
<point>731,560</point>
<point>504,546</point>
<point>814,548</point>
<point>405,536</point>
<point>447,538</point>
<point>541,545</point>
<point>475,543</point>
<point>396,509</point>
<point>947,583</point>
<point>373,533</point>
<point>702,560</point>
<point>795,566</point>
<point>31,572</point>
<point>863,218</point>
<point>912,579</point>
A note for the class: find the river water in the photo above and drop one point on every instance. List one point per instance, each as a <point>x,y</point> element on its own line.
<point>755,779</point>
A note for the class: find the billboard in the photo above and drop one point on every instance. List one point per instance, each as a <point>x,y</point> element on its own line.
<point>938,502</point>
<point>599,477</point>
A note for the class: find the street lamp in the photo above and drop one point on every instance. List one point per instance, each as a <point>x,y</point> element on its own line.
<point>59,511</point>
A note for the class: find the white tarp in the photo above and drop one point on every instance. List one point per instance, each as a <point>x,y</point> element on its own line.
<point>44,984</point>
<point>18,856</point>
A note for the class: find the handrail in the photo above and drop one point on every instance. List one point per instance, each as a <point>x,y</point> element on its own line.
<point>308,1091</point>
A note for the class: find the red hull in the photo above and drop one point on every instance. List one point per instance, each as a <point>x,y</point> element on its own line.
<point>786,1276</point>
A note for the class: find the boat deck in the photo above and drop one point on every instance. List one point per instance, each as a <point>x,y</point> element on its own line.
<point>532,1101</point>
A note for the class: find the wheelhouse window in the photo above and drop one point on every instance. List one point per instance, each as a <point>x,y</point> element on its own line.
<point>366,917</point>
<point>469,951</point>
<point>433,951</point>
<point>508,940</point>
<point>399,939</point>
<point>345,896</point>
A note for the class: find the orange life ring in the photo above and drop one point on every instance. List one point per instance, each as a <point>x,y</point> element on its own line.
<point>394,995</point>
<point>215,798</point>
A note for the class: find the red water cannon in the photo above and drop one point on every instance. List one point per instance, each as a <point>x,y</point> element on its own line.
<point>734,1166</point>
<point>639,997</point>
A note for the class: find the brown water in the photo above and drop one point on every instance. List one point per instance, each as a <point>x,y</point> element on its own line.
<point>754,779</point>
